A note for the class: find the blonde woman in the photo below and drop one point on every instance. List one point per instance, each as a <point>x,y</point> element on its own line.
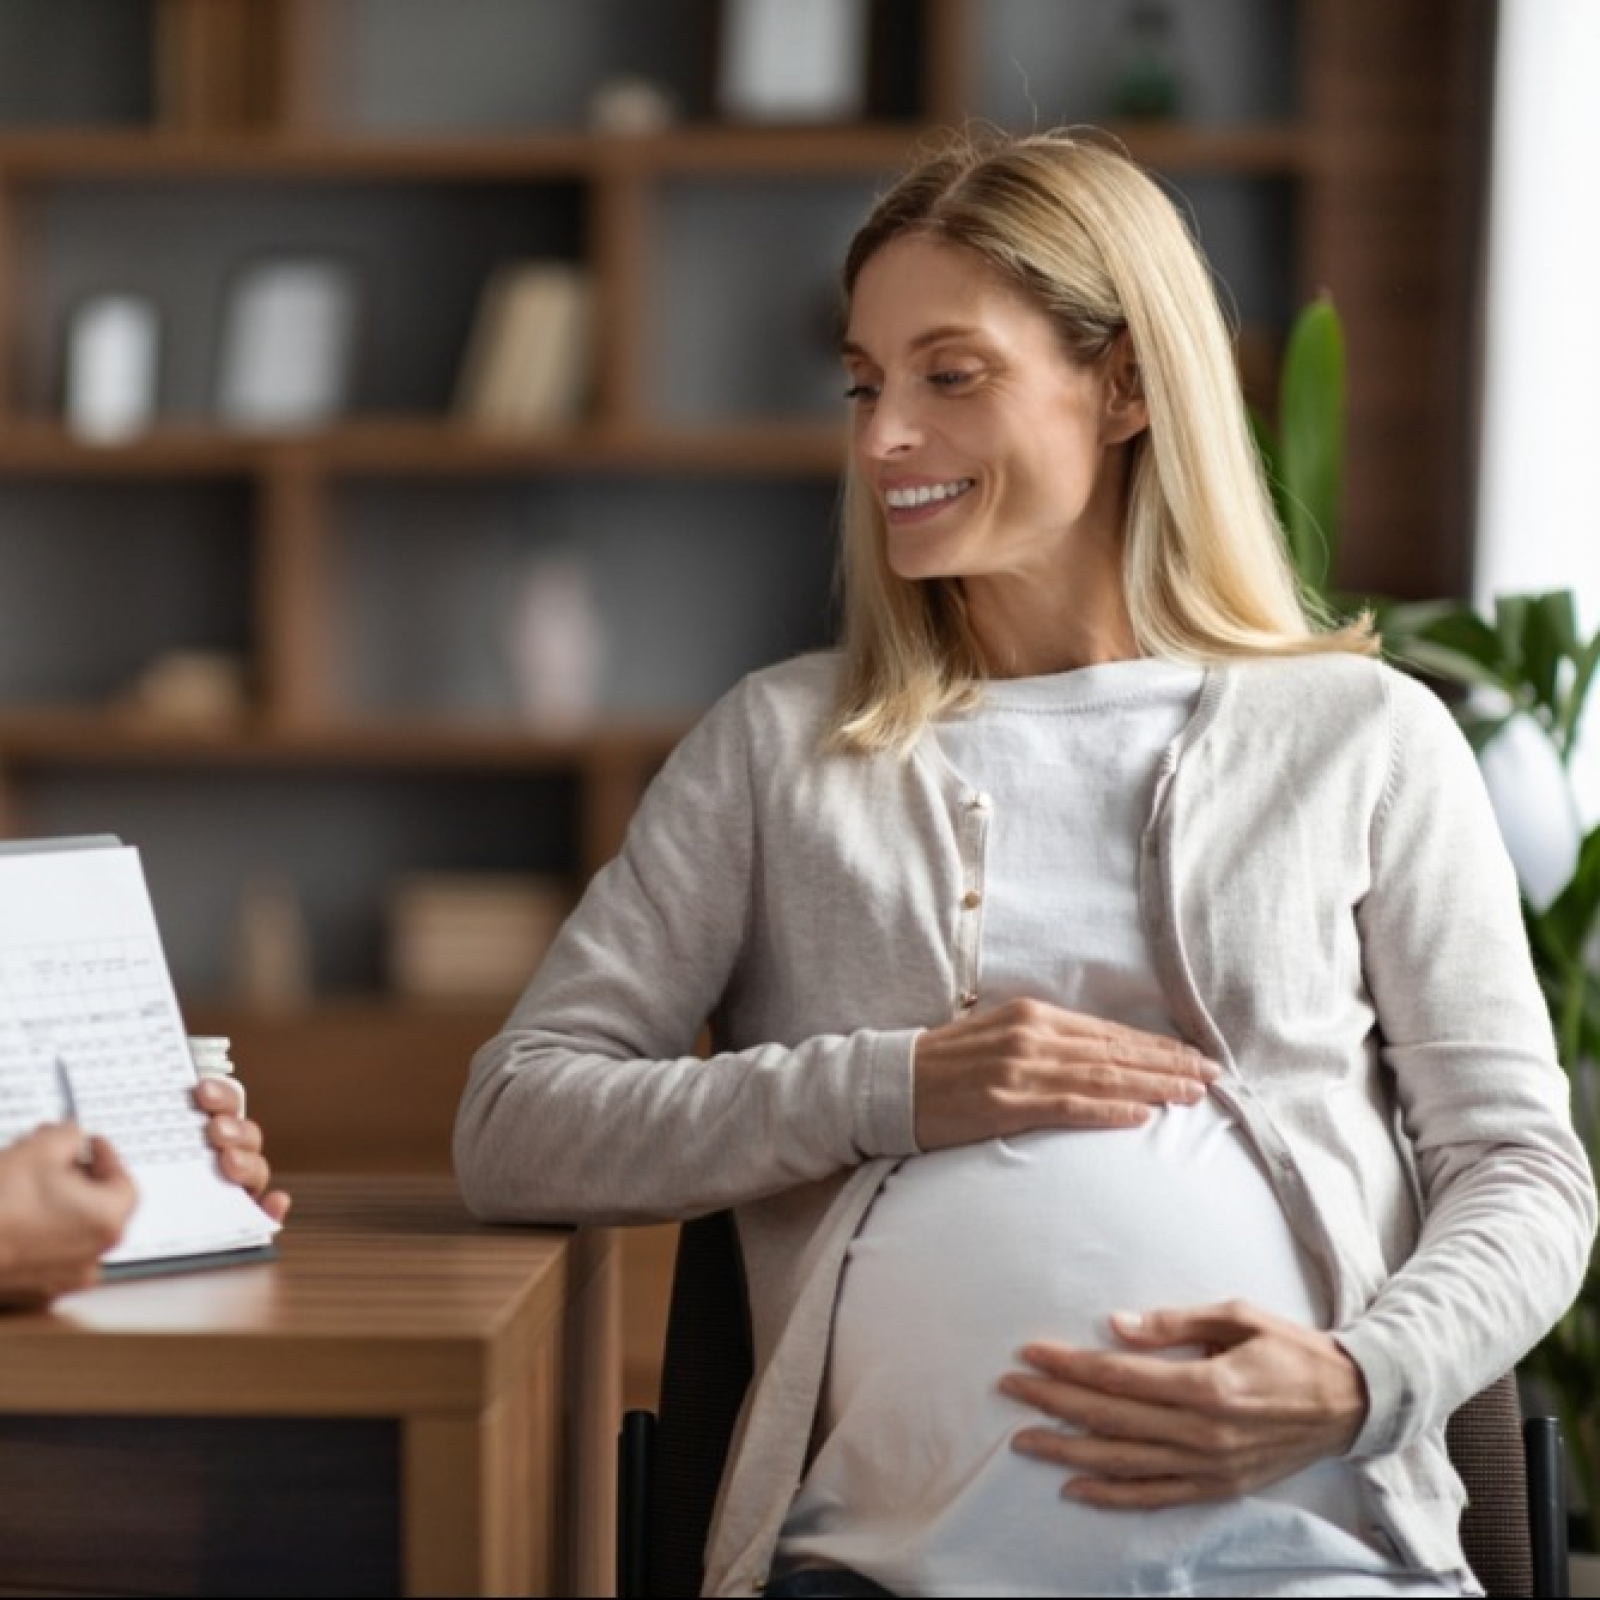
<point>1130,1081</point>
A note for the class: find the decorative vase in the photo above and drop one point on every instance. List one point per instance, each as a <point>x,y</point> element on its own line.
<point>1534,805</point>
<point>556,644</point>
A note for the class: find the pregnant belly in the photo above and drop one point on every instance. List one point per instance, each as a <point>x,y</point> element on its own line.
<point>965,1257</point>
<point>1045,1235</point>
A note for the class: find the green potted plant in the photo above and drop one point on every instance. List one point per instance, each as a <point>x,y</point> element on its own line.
<point>1525,666</point>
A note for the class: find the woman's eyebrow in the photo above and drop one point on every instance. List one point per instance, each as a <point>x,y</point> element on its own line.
<point>953,330</point>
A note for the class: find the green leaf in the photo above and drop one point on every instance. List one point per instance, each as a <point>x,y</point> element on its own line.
<point>1266,443</point>
<point>1454,665</point>
<point>1549,640</point>
<point>1406,618</point>
<point>1311,428</point>
<point>1589,1031</point>
<point>1559,612</point>
<point>1510,624</point>
<point>1569,919</point>
<point>1462,630</point>
<point>1570,720</point>
<point>1461,645</point>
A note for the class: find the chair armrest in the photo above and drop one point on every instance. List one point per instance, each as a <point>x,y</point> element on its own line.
<point>1547,1505</point>
<point>635,1461</point>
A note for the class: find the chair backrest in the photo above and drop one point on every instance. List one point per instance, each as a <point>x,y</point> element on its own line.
<point>705,1370</point>
<point>1513,1530</point>
<point>1514,1527</point>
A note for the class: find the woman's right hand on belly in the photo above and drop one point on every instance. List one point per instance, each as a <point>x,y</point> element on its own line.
<point>1027,1064</point>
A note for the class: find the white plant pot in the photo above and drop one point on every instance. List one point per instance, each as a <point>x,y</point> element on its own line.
<point>1535,807</point>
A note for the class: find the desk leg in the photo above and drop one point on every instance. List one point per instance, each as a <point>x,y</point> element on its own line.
<point>482,1495</point>
<point>594,1403</point>
<point>522,1500</point>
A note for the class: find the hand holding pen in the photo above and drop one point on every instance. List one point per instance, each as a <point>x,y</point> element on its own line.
<point>64,1201</point>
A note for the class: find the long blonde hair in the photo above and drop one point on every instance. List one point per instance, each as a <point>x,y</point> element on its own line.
<point>1099,245</point>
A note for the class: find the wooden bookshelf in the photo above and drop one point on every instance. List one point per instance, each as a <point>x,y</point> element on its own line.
<point>354,569</point>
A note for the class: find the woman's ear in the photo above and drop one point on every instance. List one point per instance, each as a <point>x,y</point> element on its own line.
<point>1126,414</point>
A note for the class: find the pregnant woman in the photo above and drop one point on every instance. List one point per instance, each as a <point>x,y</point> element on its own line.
<point>1129,1078</point>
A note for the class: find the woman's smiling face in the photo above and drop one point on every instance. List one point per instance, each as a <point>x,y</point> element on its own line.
<point>991,452</point>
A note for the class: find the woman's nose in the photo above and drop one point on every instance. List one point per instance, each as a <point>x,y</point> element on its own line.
<point>891,426</point>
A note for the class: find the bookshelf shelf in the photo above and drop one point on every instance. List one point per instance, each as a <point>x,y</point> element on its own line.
<point>1254,149</point>
<point>401,447</point>
<point>101,738</point>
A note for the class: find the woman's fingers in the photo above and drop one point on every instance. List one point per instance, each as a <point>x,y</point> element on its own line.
<point>1027,1064</point>
<point>1237,1398</point>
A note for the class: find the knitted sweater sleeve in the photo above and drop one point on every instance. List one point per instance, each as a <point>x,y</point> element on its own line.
<point>590,1104</point>
<point>1508,1197</point>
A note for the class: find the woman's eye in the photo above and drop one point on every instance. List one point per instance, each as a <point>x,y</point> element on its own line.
<point>950,379</point>
<point>861,391</point>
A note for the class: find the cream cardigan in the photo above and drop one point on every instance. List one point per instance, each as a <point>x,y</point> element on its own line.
<point>1333,916</point>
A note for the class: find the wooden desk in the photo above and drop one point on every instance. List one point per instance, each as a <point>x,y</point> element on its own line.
<point>404,1402</point>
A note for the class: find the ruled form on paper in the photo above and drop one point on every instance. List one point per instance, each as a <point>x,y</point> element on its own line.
<point>90,1031</point>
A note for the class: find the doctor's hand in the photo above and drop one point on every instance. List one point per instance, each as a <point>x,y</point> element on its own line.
<point>64,1201</point>
<point>1250,1399</point>
<point>1027,1064</point>
<point>240,1143</point>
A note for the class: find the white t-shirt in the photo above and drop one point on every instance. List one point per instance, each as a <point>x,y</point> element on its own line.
<point>968,1254</point>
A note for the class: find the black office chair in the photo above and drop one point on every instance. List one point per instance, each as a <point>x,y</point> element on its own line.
<point>669,1462</point>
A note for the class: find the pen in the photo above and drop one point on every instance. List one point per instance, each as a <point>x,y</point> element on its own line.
<point>69,1100</point>
<point>69,1105</point>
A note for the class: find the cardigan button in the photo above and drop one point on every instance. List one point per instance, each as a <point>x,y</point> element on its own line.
<point>971,900</point>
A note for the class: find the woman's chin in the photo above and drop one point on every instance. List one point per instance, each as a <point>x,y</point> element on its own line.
<point>919,561</point>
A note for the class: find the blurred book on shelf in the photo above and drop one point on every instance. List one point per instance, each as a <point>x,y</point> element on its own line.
<point>471,936</point>
<point>528,359</point>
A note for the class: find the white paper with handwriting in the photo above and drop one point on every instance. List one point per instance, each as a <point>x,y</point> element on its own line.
<point>90,1029</point>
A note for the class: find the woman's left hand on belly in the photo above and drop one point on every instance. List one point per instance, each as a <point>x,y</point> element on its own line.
<point>1263,1398</point>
